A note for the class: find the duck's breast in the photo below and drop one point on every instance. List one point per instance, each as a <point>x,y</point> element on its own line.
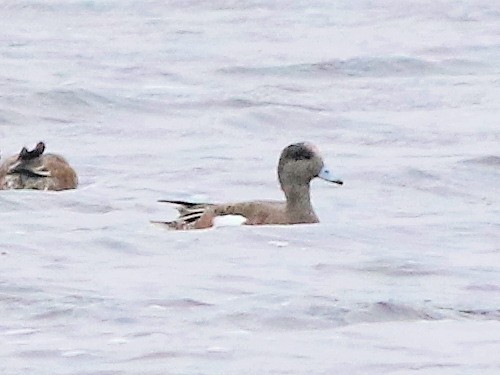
<point>62,175</point>
<point>9,181</point>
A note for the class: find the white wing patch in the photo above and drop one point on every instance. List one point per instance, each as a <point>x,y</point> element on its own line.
<point>229,220</point>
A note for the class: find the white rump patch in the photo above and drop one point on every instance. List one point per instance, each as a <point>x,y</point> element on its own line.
<point>229,220</point>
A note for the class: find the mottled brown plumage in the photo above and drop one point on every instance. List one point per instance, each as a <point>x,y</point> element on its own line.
<point>36,170</point>
<point>298,164</point>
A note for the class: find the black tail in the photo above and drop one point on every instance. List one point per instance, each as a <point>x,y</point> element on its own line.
<point>181,203</point>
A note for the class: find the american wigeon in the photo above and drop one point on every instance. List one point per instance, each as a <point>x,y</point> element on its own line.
<point>298,164</point>
<point>36,170</point>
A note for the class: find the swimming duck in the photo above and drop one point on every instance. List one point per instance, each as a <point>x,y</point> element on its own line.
<point>36,170</point>
<point>299,163</point>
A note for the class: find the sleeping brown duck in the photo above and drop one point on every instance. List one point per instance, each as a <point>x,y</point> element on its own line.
<point>36,170</point>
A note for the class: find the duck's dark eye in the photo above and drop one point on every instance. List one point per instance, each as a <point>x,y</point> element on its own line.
<point>299,152</point>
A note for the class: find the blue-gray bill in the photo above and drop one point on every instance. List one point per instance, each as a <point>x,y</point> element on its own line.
<point>325,174</point>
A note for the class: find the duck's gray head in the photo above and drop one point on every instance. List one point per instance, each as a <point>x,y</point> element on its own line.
<point>301,162</point>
